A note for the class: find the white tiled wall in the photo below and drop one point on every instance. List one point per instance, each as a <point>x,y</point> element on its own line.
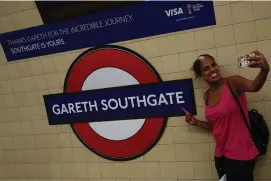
<point>31,150</point>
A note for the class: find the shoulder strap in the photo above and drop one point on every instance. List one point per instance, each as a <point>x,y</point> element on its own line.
<point>240,107</point>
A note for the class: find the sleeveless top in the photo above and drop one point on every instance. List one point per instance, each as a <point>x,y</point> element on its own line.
<point>232,137</point>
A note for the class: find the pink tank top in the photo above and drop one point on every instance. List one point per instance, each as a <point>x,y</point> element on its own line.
<point>230,132</point>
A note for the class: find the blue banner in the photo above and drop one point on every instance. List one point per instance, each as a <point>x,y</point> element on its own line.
<point>143,20</point>
<point>163,99</point>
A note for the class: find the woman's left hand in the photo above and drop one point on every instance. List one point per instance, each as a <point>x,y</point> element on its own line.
<point>258,61</point>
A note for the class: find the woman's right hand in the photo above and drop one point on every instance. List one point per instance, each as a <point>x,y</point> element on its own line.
<point>189,118</point>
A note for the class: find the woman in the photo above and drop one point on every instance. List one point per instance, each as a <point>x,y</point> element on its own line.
<point>235,151</point>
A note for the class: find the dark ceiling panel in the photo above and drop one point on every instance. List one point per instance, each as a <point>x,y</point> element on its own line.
<point>55,11</point>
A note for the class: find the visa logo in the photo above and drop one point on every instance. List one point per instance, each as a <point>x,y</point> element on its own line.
<point>174,12</point>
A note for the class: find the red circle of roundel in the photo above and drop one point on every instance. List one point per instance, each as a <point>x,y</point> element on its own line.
<point>134,64</point>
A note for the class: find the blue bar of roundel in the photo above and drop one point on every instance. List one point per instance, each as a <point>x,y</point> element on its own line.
<point>143,20</point>
<point>186,86</point>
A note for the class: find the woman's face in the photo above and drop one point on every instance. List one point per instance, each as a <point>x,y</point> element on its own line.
<point>209,70</point>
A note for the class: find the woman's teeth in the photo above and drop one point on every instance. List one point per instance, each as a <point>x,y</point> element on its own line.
<point>213,75</point>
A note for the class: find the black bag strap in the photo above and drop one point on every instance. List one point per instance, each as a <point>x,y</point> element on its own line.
<point>240,107</point>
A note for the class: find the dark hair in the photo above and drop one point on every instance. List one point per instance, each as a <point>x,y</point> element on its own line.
<point>196,64</point>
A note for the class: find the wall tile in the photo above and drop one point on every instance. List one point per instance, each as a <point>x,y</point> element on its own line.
<point>183,152</point>
<point>136,46</point>
<point>108,170</point>
<point>263,29</point>
<point>201,152</point>
<point>31,170</point>
<point>94,170</point>
<point>224,36</point>
<point>9,100</point>
<point>6,87</point>
<point>255,96</point>
<point>153,170</point>
<point>167,137</point>
<point>186,60</point>
<point>27,128</point>
<point>199,97</point>
<point>48,65</point>
<point>7,143</point>
<point>220,3</point>
<point>55,170</point>
<point>242,12</point>
<point>185,42</point>
<point>122,170</point>
<point>267,108</point>
<point>40,141</point>
<point>258,106</point>
<point>61,78</point>
<point>25,19</point>
<point>91,157</point>
<point>81,170</point>
<point>262,170</point>
<point>181,134</point>
<point>263,47</point>
<point>150,48</point>
<point>63,62</point>
<point>204,39</point>
<point>52,80</point>
<point>246,48</point>
<point>157,63</point>
<point>137,170</point>
<point>12,71</point>
<point>24,69</point>
<point>12,115</point>
<point>8,22</point>
<point>185,170</point>
<point>229,70</point>
<point>3,9</point>
<point>12,7</point>
<point>52,140</point>
<point>245,32</point>
<point>168,170</point>
<point>24,5</point>
<point>167,45</point>
<point>40,82</point>
<point>36,67</point>
<point>152,155</point>
<point>79,155</point>
<point>65,139</point>
<point>177,121</point>
<point>3,59</point>
<point>212,52</point>
<point>203,170</point>
<point>266,90</point>
<point>166,153</point>
<point>3,73</point>
<point>227,55</point>
<point>223,15</point>
<point>67,170</point>
<point>262,9</point>
<point>171,63</point>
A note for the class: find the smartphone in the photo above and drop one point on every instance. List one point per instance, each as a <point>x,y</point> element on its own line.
<point>242,60</point>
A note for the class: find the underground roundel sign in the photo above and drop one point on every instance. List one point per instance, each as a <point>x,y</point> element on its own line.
<point>113,66</point>
<point>116,102</point>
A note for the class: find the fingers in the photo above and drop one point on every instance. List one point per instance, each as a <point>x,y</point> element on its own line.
<point>256,52</point>
<point>254,63</point>
<point>255,58</point>
<point>185,111</point>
